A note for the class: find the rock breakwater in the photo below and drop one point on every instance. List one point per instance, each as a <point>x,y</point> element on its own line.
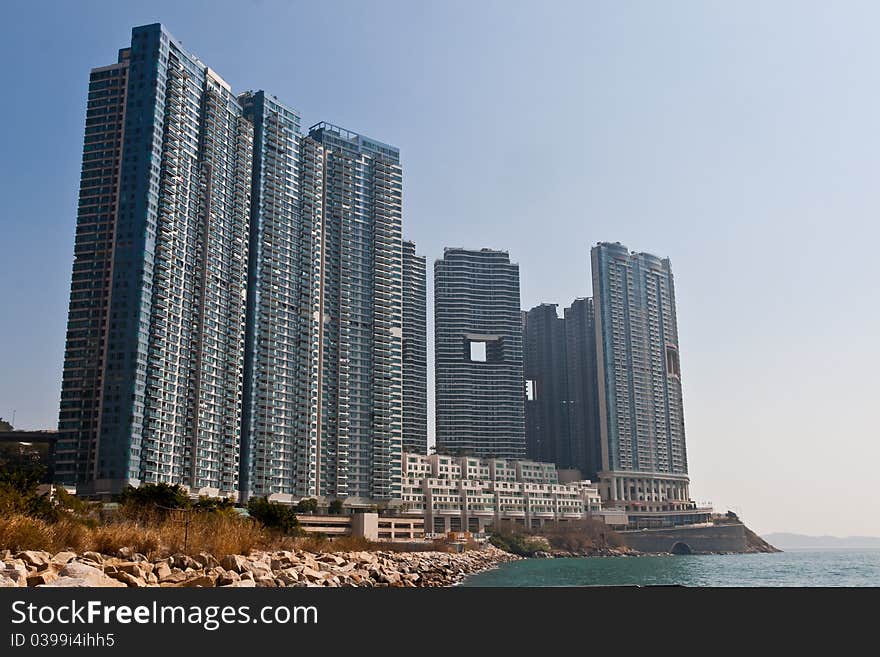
<point>269,569</point>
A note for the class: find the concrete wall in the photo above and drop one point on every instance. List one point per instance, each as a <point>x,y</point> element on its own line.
<point>715,538</point>
<point>366,525</point>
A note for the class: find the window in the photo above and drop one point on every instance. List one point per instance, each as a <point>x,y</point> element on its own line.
<point>478,352</point>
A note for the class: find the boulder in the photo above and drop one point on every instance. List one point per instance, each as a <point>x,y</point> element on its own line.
<point>132,568</point>
<point>228,577</point>
<point>161,570</point>
<point>15,571</point>
<point>311,574</point>
<point>235,562</point>
<point>206,560</point>
<point>331,558</point>
<point>76,574</point>
<point>63,557</point>
<point>128,579</point>
<point>287,577</point>
<point>176,576</point>
<point>202,581</point>
<point>243,583</point>
<point>37,559</point>
<point>93,556</point>
<point>44,577</point>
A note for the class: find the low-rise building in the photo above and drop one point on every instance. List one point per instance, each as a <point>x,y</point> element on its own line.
<point>371,526</point>
<point>456,494</point>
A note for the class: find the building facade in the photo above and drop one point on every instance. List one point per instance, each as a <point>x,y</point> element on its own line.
<point>562,414</point>
<point>548,437</point>
<point>236,307</point>
<point>583,387</point>
<point>356,410</point>
<point>415,351</point>
<point>469,494</point>
<point>644,460</point>
<point>478,354</point>
<point>173,222</point>
<point>275,447</point>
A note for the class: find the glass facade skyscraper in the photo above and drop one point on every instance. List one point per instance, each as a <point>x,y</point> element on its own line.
<point>583,388</point>
<point>644,459</point>
<point>478,354</point>
<point>275,446</point>
<point>562,406</point>
<point>173,313</point>
<point>415,352</point>
<point>236,308</point>
<point>357,408</point>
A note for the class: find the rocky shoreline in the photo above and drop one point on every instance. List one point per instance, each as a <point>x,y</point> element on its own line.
<point>580,554</point>
<point>31,568</point>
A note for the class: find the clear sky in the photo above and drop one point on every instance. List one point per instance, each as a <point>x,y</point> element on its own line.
<point>739,139</point>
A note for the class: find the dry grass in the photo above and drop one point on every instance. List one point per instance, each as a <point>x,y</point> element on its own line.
<point>20,532</point>
<point>321,543</point>
<point>217,534</point>
<point>109,539</point>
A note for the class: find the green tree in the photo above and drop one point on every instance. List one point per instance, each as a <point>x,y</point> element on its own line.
<point>151,500</point>
<point>214,504</point>
<point>307,506</point>
<point>273,515</point>
<point>335,508</point>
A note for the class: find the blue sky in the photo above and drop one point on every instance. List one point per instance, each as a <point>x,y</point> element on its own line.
<point>738,139</point>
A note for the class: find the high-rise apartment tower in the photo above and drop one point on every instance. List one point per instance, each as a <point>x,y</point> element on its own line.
<point>236,306</point>
<point>642,421</point>
<point>478,354</point>
<point>562,411</point>
<point>415,352</point>
<point>153,366</point>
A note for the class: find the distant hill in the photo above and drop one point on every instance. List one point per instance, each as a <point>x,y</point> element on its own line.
<point>803,542</point>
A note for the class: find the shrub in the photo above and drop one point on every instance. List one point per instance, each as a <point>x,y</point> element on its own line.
<point>20,532</point>
<point>273,515</point>
<point>152,500</point>
<point>307,506</point>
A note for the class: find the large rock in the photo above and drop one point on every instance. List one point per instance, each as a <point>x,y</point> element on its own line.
<point>176,576</point>
<point>128,579</point>
<point>206,560</point>
<point>132,568</point>
<point>80,575</point>
<point>44,577</point>
<point>161,570</point>
<point>235,562</point>
<point>228,577</point>
<point>93,556</point>
<point>312,575</point>
<point>15,571</point>
<point>37,559</point>
<point>63,557</point>
<point>202,581</point>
